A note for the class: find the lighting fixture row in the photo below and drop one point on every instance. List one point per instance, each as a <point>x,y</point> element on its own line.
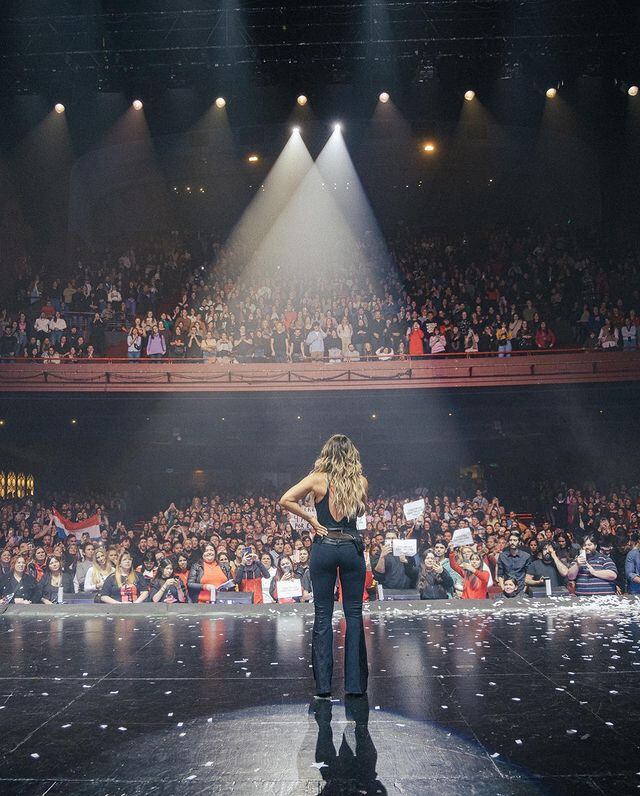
<point>384,97</point>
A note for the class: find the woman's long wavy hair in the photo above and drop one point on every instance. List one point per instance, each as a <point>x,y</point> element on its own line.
<point>340,461</point>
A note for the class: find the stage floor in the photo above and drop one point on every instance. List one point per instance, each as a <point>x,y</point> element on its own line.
<point>544,699</point>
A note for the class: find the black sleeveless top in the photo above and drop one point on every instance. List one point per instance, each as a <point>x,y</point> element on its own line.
<point>325,518</point>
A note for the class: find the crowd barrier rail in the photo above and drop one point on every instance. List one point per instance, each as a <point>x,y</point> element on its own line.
<point>118,375</point>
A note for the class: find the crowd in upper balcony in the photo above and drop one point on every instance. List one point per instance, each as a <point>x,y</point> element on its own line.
<point>494,292</point>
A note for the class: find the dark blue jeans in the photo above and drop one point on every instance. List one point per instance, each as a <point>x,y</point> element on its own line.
<point>326,560</point>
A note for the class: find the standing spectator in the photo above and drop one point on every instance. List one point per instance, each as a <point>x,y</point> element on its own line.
<point>545,338</point>
<point>315,342</point>
<point>267,562</point>
<point>394,572</point>
<point>284,573</point>
<point>434,582</point>
<point>629,335</point>
<point>57,326</point>
<point>250,571</point>
<point>156,346</point>
<point>513,562</point>
<point>97,334</point>
<point>592,571</point>
<point>475,577</point>
<point>134,344</point>
<point>415,337</point>
<point>545,566</point>
<point>632,567</point>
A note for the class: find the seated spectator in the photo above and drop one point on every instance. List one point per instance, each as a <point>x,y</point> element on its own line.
<point>125,585</point>
<point>38,567</point>
<point>434,582</point>
<point>206,573</point>
<point>166,587</point>
<point>85,563</point>
<point>99,571</point>
<point>181,569</point>
<point>55,580</point>
<point>593,572</point>
<point>18,587</point>
<point>510,588</point>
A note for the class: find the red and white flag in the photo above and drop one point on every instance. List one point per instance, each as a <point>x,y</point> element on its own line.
<point>65,527</point>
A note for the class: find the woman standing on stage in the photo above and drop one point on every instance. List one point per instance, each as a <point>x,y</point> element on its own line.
<point>340,492</point>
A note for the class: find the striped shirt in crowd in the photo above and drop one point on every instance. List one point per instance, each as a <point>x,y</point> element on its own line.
<point>587,584</point>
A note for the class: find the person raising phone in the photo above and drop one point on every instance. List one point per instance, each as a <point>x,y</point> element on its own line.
<point>340,492</point>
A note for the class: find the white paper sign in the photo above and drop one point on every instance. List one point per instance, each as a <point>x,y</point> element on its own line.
<point>299,524</point>
<point>404,547</point>
<point>287,589</point>
<point>361,523</point>
<point>462,536</point>
<point>414,509</point>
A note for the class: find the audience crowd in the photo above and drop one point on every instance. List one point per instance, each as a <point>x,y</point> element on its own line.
<point>586,542</point>
<point>500,291</point>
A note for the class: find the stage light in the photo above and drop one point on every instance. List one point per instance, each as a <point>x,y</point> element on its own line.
<point>137,105</point>
<point>337,127</point>
<point>188,189</point>
<point>295,130</point>
<point>384,97</point>
<point>302,100</point>
<point>58,107</point>
<point>469,95</point>
<point>253,158</point>
<point>551,92</point>
<point>2,422</point>
<point>74,422</point>
<point>429,148</point>
<point>374,416</point>
<point>221,102</point>
<point>632,91</point>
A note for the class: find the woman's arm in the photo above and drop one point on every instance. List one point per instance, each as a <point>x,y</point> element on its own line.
<point>289,501</point>
<point>192,583</point>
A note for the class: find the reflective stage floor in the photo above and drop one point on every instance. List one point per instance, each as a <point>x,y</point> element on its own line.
<point>531,701</point>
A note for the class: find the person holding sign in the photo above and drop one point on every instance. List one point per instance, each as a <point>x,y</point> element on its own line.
<point>395,569</point>
<point>285,586</point>
<point>475,578</point>
<point>340,492</point>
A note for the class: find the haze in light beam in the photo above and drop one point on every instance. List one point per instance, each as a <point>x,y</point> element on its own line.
<point>270,201</point>
<point>336,169</point>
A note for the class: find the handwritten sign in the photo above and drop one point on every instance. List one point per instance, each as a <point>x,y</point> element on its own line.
<point>414,509</point>
<point>404,547</point>
<point>288,589</point>
<point>462,536</point>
